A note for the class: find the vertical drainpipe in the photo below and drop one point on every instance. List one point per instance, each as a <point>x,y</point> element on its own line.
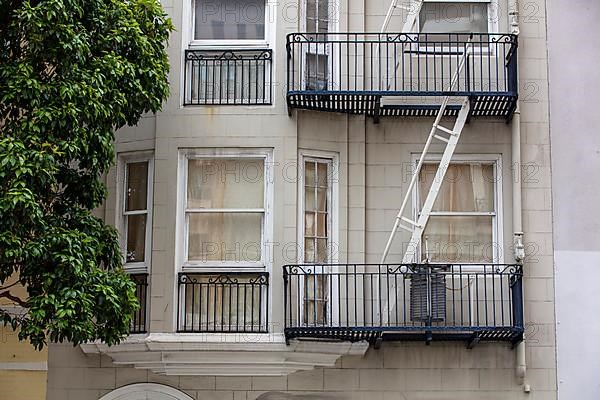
<point>519,254</point>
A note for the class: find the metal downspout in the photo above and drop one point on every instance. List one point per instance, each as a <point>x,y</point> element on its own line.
<point>519,253</point>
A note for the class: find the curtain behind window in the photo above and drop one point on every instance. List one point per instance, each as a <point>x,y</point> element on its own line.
<point>230,20</point>
<point>468,189</point>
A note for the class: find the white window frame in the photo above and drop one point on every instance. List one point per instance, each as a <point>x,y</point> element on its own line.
<point>492,29</point>
<point>492,22</point>
<point>497,215</point>
<point>333,223</point>
<point>321,49</point>
<point>189,14</point>
<point>124,159</point>
<point>265,264</point>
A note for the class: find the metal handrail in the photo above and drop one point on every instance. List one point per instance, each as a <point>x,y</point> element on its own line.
<point>411,64</point>
<point>427,297</point>
<point>232,302</point>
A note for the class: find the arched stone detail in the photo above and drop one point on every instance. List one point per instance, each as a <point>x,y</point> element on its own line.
<point>146,391</point>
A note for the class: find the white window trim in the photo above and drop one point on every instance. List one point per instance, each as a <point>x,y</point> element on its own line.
<point>265,264</point>
<point>497,221</point>
<point>189,11</point>
<point>334,202</point>
<point>332,257</point>
<point>123,160</point>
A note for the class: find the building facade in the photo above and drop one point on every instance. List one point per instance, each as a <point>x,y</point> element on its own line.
<point>576,223</point>
<point>255,209</point>
<point>23,369</point>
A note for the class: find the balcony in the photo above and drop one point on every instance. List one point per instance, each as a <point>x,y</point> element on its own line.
<point>228,77</point>
<point>355,302</point>
<point>138,323</point>
<point>401,74</point>
<point>223,303</point>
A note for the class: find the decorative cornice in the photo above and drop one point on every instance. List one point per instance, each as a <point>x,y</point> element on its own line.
<point>224,354</point>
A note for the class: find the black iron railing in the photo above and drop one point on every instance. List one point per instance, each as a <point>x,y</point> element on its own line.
<point>228,77</point>
<point>231,302</point>
<point>404,302</point>
<point>351,72</point>
<point>138,323</point>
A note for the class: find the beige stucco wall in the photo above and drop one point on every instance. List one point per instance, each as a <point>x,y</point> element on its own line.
<point>22,368</point>
<point>371,159</point>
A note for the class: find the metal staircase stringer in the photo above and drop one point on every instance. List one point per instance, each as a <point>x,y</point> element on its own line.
<point>452,142</point>
<point>411,18</point>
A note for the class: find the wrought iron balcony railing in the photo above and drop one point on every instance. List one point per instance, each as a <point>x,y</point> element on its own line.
<point>228,302</point>
<point>404,302</point>
<point>395,74</point>
<point>138,323</point>
<point>228,77</point>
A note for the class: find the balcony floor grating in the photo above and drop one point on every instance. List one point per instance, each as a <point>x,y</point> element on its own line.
<point>484,105</point>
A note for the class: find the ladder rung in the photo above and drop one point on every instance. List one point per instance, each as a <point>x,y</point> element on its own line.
<point>410,221</point>
<point>406,228</point>
<point>444,129</point>
<point>443,139</point>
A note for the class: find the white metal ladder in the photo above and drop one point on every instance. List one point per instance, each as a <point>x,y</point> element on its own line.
<point>450,137</point>
<point>410,19</point>
<point>438,132</point>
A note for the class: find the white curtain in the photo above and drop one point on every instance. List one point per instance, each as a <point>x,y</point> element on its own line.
<point>225,184</point>
<point>467,189</point>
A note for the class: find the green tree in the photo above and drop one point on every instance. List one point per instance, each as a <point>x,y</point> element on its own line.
<point>71,73</point>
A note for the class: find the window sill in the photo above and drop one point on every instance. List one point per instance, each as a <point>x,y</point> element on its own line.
<point>224,354</point>
<point>228,44</point>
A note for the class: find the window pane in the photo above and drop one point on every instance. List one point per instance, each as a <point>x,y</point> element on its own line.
<point>316,71</point>
<point>230,19</point>
<point>309,224</point>
<point>136,238</point>
<point>225,183</point>
<point>466,187</point>
<point>454,17</point>
<point>322,225</point>
<point>225,237</point>
<point>311,15</point>
<point>322,199</point>
<point>323,174</point>
<point>309,173</point>
<point>316,288</point>
<point>458,239</point>
<point>309,198</point>
<point>323,16</point>
<point>309,250</point>
<point>321,251</point>
<point>137,186</point>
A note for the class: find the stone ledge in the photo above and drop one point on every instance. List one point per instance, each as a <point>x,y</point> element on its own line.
<point>224,354</point>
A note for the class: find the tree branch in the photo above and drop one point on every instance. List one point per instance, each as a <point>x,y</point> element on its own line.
<point>13,298</point>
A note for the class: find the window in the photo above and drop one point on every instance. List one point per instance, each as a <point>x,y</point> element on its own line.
<point>225,210</point>
<point>455,17</point>
<point>318,23</point>
<point>229,19</point>
<point>317,235</point>
<point>317,16</point>
<point>136,206</point>
<point>135,176</point>
<point>224,286</point>
<point>229,60</point>
<point>463,225</point>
